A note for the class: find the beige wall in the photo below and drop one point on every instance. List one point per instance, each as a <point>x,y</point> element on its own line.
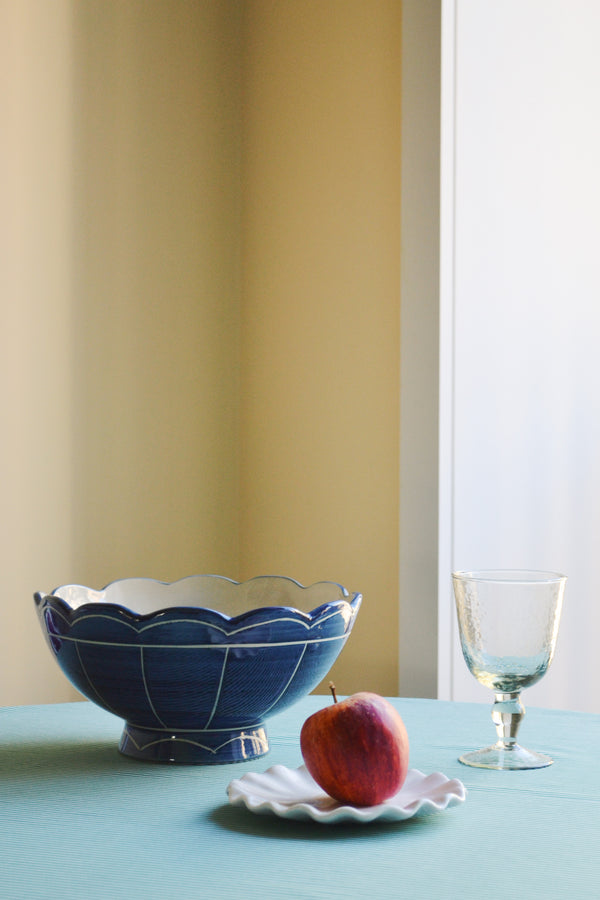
<point>172,202</point>
<point>157,291</point>
<point>120,389</point>
<point>320,324</point>
<point>420,348</point>
<point>36,450</point>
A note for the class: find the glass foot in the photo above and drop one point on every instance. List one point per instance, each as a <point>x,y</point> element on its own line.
<point>499,756</point>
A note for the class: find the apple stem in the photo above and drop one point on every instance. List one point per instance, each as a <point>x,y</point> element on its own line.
<point>332,689</point>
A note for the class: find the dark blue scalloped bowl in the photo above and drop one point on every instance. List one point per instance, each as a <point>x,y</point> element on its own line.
<point>196,666</point>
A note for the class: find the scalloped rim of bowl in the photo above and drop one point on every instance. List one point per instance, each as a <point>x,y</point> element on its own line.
<point>96,597</point>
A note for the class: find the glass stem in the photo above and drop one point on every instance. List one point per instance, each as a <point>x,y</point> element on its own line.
<point>507,713</point>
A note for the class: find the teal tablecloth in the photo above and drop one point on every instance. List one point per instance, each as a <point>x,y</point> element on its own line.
<point>80,820</point>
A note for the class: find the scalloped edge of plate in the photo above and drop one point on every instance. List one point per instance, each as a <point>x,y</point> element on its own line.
<point>293,794</point>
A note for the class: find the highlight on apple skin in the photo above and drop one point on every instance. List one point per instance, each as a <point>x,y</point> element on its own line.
<point>356,750</point>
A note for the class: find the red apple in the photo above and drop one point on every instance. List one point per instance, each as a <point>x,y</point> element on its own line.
<point>356,750</point>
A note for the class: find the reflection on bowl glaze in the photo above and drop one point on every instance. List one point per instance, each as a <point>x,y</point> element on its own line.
<point>195,666</point>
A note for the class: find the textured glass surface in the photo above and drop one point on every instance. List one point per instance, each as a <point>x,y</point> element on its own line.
<point>508,624</point>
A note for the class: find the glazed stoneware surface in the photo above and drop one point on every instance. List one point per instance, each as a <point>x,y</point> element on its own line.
<point>293,794</point>
<point>196,666</point>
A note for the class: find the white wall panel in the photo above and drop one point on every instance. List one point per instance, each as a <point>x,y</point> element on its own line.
<point>520,317</point>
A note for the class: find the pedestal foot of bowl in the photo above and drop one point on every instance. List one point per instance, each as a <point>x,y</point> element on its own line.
<point>194,747</point>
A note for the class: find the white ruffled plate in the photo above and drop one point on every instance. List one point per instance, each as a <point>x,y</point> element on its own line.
<point>293,794</point>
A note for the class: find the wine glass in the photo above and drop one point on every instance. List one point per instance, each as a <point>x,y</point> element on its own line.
<point>508,622</point>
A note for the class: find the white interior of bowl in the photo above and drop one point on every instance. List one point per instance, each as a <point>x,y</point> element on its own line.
<point>145,595</point>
